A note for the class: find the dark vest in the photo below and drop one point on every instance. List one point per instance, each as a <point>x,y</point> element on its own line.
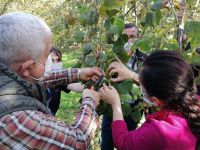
<point>18,95</point>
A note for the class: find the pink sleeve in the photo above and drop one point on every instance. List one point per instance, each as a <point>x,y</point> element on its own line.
<point>143,138</point>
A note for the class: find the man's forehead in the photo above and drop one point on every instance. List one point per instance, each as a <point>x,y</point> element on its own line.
<point>130,31</point>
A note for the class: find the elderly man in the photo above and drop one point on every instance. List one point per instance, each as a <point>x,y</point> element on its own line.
<point>25,123</point>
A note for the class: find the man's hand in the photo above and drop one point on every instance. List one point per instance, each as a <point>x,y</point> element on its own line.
<point>90,73</point>
<point>93,94</point>
<point>123,72</point>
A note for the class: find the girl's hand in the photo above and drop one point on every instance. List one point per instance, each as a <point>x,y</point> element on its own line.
<point>110,95</point>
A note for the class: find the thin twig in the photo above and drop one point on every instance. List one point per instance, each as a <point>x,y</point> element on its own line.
<point>129,10</point>
<point>136,18</point>
<point>4,7</point>
<point>174,12</point>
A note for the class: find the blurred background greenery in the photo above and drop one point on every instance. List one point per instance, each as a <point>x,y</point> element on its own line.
<point>75,23</point>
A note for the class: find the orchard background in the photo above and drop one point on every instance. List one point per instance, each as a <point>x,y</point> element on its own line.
<point>90,33</point>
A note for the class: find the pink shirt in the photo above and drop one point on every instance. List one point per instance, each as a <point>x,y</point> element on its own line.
<point>162,131</point>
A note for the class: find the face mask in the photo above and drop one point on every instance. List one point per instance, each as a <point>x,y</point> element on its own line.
<point>48,65</point>
<point>47,69</point>
<point>145,99</point>
<point>56,66</point>
<point>127,46</point>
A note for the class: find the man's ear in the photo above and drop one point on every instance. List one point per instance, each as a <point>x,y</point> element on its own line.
<point>25,67</point>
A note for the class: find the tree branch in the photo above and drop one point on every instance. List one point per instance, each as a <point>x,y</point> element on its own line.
<point>197,3</point>
<point>4,7</point>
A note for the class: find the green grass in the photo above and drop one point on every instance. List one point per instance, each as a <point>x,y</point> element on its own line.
<point>70,102</point>
<point>68,107</point>
<point>70,59</point>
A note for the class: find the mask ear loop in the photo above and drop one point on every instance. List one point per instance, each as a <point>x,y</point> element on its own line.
<point>145,99</point>
<point>36,79</point>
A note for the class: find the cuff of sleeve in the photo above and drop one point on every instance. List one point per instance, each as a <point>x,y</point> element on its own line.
<point>79,73</point>
<point>89,101</point>
<point>75,75</point>
<point>118,124</point>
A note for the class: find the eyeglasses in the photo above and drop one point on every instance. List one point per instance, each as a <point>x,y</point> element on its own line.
<point>38,63</point>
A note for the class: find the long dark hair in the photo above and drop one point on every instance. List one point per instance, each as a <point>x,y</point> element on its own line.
<point>167,76</point>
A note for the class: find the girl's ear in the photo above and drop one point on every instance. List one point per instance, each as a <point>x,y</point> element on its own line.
<point>157,102</point>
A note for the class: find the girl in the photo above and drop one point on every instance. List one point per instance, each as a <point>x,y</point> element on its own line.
<point>167,83</point>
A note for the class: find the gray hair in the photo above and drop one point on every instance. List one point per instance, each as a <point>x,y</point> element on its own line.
<point>22,36</point>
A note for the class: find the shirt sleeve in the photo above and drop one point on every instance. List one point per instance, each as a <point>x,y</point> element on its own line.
<point>143,138</point>
<point>62,77</point>
<point>36,130</point>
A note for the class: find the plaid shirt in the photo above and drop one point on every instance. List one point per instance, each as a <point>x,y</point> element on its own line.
<point>61,77</point>
<point>31,129</point>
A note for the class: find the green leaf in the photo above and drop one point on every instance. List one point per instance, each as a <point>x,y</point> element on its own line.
<point>125,97</point>
<point>136,92</point>
<point>109,3</point>
<point>71,19</point>
<point>107,24</point>
<point>79,35</point>
<point>192,57</point>
<point>110,38</point>
<point>158,16</point>
<point>192,28</point>
<point>123,56</point>
<point>196,59</point>
<point>126,109</point>
<point>103,57</point>
<point>151,19</point>
<point>92,17</point>
<point>143,22</point>
<point>87,49</point>
<point>112,12</point>
<point>143,12</point>
<point>136,115</point>
<point>78,64</point>
<point>104,108</point>
<point>118,46</point>
<point>124,87</point>
<point>102,11</point>
<point>90,61</point>
<point>83,19</point>
<point>118,26</point>
<point>157,5</point>
<point>145,44</point>
<point>82,9</point>
<point>171,45</point>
